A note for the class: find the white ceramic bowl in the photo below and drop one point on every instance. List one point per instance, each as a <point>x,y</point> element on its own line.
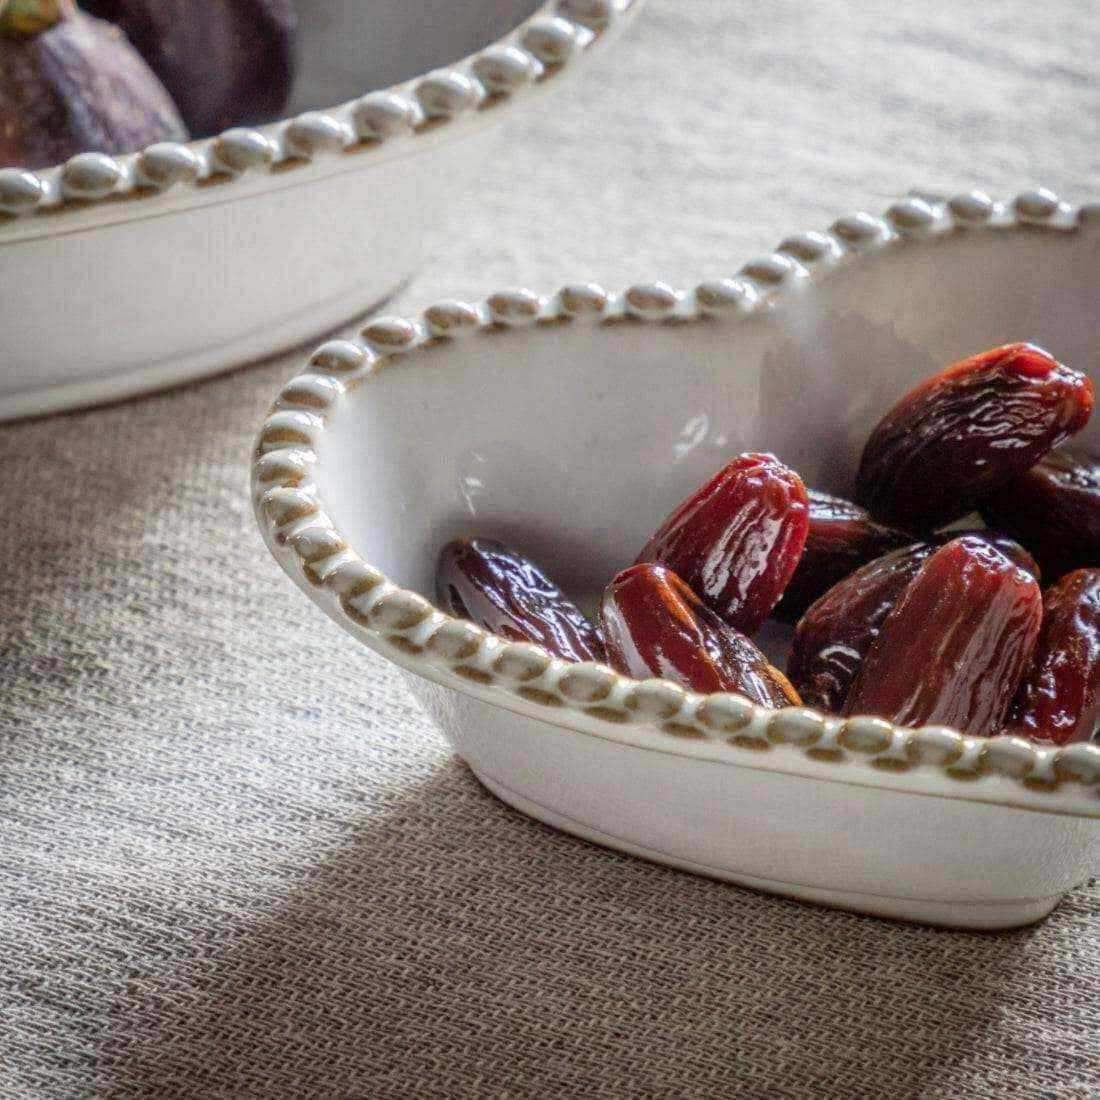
<point>122,274</point>
<point>569,425</point>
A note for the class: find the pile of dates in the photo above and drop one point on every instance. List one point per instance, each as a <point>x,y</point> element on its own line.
<point>900,612</point>
<point>112,76</point>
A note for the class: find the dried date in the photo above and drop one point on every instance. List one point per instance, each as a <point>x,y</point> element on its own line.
<point>655,625</point>
<point>504,592</point>
<point>1055,509</point>
<point>955,646</point>
<point>737,540</point>
<point>1058,699</point>
<point>840,538</point>
<point>968,430</point>
<point>839,628</point>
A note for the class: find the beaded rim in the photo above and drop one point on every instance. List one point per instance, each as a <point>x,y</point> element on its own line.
<point>539,49</point>
<point>407,627</point>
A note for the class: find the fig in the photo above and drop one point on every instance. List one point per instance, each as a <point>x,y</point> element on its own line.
<point>654,625</point>
<point>965,432</point>
<point>736,540</point>
<point>224,62</point>
<point>73,84</point>
<point>507,594</point>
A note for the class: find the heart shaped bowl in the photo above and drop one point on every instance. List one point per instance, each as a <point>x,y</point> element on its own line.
<point>568,425</point>
<point>186,259</point>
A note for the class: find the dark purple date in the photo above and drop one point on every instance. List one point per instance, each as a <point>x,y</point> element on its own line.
<point>504,592</point>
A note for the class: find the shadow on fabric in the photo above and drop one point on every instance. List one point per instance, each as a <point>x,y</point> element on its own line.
<point>456,948</point>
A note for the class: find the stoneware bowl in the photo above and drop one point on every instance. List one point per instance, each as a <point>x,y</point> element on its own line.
<point>122,274</point>
<point>569,424</point>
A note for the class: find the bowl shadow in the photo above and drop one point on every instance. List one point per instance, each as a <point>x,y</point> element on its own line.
<point>456,948</point>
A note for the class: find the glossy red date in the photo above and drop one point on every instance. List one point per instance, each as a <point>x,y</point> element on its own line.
<point>504,592</point>
<point>840,538</point>
<point>654,625</point>
<point>1058,700</point>
<point>955,646</point>
<point>737,540</point>
<point>836,632</point>
<point>968,430</point>
<point>1055,509</point>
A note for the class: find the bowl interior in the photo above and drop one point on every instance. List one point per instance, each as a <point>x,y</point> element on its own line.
<point>572,440</point>
<point>348,47</point>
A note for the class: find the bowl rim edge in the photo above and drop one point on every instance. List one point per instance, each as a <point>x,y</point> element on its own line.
<point>526,58</point>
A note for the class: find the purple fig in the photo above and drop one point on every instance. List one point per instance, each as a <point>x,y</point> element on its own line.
<point>224,62</point>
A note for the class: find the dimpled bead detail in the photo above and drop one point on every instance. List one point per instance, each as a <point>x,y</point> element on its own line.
<point>443,95</point>
<point>352,579</point>
<point>725,296</point>
<point>552,41</point>
<point>20,191</point>
<point>808,248</point>
<point>911,215</point>
<point>591,13</point>
<point>315,132</point>
<point>866,734</point>
<point>391,334</point>
<point>521,662</point>
<point>1078,764</point>
<point>90,176</point>
<point>655,700</point>
<point>314,391</point>
<point>502,69</point>
<point>290,428</point>
<point>338,357</point>
<point>583,299</point>
<point>282,467</point>
<point>934,745</point>
<point>316,543</point>
<point>240,149</point>
<point>383,115</point>
<point>1036,206</point>
<point>1009,756</point>
<point>769,270</point>
<point>167,163</point>
<point>654,301</point>
<point>514,307</point>
<point>399,610</point>
<point>285,506</point>
<point>858,230</point>
<point>971,208</point>
<point>455,640</point>
<point>451,318</point>
<point>726,713</point>
<point>796,726</point>
<point>586,682</point>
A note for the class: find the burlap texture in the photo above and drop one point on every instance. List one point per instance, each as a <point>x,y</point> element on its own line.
<point>237,861</point>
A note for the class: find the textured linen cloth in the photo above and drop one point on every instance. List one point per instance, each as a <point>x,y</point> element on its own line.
<point>214,883</point>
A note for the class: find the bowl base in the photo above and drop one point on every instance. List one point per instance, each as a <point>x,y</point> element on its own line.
<point>987,916</point>
<point>299,329</point>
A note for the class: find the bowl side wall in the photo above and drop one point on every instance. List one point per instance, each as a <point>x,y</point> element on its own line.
<point>217,284</point>
<point>908,855</point>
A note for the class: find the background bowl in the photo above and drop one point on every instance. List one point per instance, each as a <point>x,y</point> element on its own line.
<point>569,425</point>
<point>122,274</point>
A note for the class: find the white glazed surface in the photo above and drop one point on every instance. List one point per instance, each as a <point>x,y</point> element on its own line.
<point>569,425</point>
<point>187,259</point>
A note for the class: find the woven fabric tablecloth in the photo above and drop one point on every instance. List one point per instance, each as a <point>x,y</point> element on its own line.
<point>216,883</point>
